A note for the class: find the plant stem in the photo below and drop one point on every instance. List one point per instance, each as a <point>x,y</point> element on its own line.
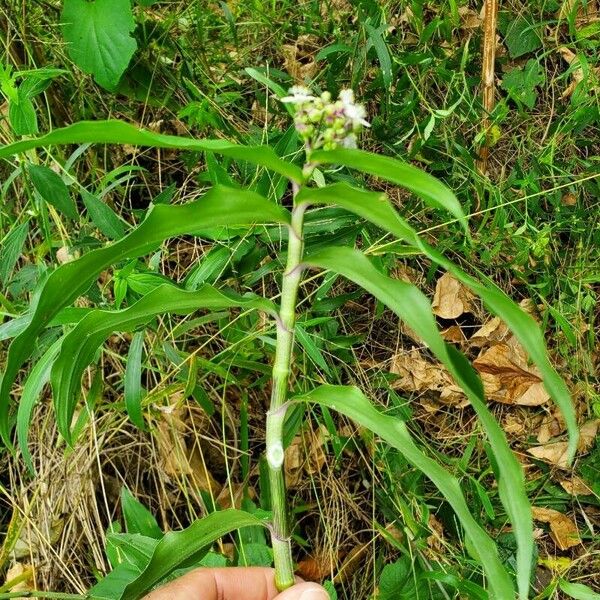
<point>280,534</point>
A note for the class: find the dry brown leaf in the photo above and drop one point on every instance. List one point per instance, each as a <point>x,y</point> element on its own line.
<point>420,375</point>
<point>20,570</point>
<point>454,334</point>
<point>489,333</point>
<point>552,425</point>
<point>555,453</point>
<point>469,18</point>
<point>451,298</point>
<point>507,377</point>
<point>305,455</point>
<point>588,434</point>
<point>299,58</point>
<point>576,487</point>
<point>314,568</point>
<point>563,530</point>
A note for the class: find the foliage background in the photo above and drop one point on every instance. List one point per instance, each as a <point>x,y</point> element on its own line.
<point>535,227</point>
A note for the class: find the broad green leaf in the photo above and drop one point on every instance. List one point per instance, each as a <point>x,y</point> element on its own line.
<point>220,207</point>
<point>52,189</point>
<point>521,83</point>
<point>413,307</point>
<point>37,379</point>
<point>98,36</point>
<point>22,115</point>
<point>401,580</point>
<point>427,187</point>
<point>10,251</point>
<point>578,591</point>
<point>81,343</point>
<point>524,327</point>
<point>351,402</point>
<point>119,132</point>
<point>138,519</point>
<point>521,34</point>
<point>132,384</point>
<point>129,554</point>
<point>103,216</point>
<point>178,548</point>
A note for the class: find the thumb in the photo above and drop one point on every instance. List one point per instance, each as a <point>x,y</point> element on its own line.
<point>304,591</point>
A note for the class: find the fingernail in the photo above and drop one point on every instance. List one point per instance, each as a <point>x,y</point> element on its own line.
<point>314,594</point>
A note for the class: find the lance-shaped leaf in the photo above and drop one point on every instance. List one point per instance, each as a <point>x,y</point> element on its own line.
<point>177,549</point>
<point>380,212</point>
<point>414,308</point>
<point>220,207</point>
<point>427,187</point>
<point>351,402</point>
<point>38,378</point>
<point>119,132</point>
<point>81,343</point>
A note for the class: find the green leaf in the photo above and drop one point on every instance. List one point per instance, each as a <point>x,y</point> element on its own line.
<point>351,402</point>
<point>524,327</point>
<point>521,36</point>
<point>401,580</point>
<point>132,385</point>
<point>138,519</point>
<point>578,591</point>
<point>220,207</point>
<point>103,217</point>
<point>427,187</point>
<point>22,115</point>
<point>414,308</point>
<point>38,378</point>
<point>52,189</point>
<point>178,548</point>
<point>118,132</point>
<point>82,342</point>
<point>98,36</point>
<point>521,84</point>
<point>10,251</point>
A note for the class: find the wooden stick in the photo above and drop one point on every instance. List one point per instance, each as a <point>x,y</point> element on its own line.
<point>488,79</point>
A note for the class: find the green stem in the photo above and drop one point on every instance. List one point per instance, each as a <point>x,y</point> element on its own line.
<point>280,534</point>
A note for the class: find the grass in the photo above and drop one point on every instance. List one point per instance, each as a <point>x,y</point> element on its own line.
<point>535,226</point>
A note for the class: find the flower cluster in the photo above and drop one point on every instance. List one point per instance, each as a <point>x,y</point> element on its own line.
<point>324,123</point>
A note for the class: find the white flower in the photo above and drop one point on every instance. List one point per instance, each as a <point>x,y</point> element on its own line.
<point>355,112</point>
<point>350,141</point>
<point>298,95</point>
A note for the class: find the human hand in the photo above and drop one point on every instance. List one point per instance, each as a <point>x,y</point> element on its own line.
<point>243,583</point>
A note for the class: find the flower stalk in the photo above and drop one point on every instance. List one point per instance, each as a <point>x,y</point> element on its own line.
<point>325,124</point>
<point>280,533</point>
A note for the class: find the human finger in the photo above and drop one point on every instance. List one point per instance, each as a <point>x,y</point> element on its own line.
<point>245,583</point>
<point>304,591</point>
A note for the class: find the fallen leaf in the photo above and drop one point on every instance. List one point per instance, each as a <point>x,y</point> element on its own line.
<point>588,434</point>
<point>305,455</point>
<point>576,487</point>
<point>563,530</point>
<point>451,298</point>
<point>454,334</point>
<point>19,570</point>
<point>469,18</point>
<point>299,58</point>
<point>493,331</point>
<point>555,453</point>
<point>507,377</point>
<point>314,568</point>
<point>420,375</point>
